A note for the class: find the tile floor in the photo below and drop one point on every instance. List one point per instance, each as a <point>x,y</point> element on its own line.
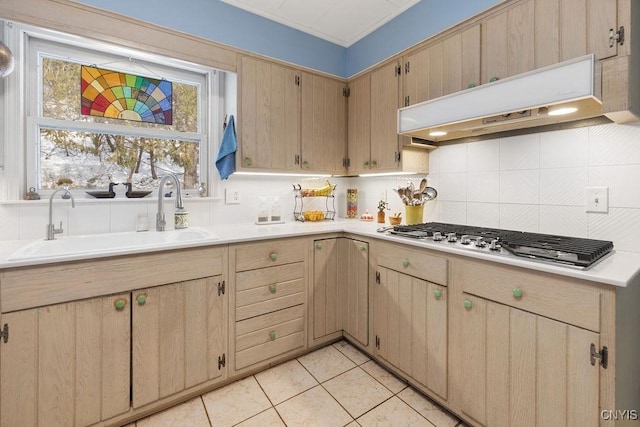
<point>334,386</point>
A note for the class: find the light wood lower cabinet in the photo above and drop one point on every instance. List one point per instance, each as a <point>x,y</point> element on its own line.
<point>66,364</point>
<point>340,289</point>
<point>521,369</point>
<point>411,327</point>
<point>178,339</point>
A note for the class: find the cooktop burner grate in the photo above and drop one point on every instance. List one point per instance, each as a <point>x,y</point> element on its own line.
<point>563,249</point>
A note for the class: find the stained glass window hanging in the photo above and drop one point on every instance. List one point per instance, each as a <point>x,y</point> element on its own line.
<point>112,94</point>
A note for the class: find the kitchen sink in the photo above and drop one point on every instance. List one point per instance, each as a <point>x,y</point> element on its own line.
<point>111,243</point>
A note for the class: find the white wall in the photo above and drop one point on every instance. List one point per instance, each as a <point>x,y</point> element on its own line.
<point>532,183</point>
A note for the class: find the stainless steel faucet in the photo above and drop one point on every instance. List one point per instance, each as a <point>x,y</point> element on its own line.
<point>51,229</point>
<point>160,221</point>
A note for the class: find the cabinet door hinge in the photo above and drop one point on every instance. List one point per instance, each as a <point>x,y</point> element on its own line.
<point>346,92</point>
<point>296,159</point>
<point>616,36</point>
<point>397,156</point>
<point>378,342</point>
<point>221,288</point>
<point>398,70</point>
<point>407,67</point>
<point>603,355</point>
<point>222,361</point>
<point>297,80</point>
<point>407,101</point>
<point>378,277</point>
<point>4,333</point>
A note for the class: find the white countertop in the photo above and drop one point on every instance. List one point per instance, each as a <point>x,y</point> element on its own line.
<point>618,269</point>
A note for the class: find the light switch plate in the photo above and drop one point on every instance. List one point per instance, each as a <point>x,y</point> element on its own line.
<point>597,199</point>
<point>231,196</point>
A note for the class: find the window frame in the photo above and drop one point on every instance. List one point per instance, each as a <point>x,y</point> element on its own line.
<point>34,41</point>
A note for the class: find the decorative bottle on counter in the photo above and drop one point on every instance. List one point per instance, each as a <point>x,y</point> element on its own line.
<point>275,210</point>
<point>352,203</point>
<point>263,211</point>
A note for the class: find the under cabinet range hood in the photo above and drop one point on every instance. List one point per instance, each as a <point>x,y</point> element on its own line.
<point>555,94</point>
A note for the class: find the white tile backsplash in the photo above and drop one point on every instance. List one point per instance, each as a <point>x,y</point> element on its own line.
<point>530,182</point>
<point>520,152</point>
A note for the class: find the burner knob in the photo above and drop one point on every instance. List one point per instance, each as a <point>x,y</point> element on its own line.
<point>437,236</point>
<point>465,240</point>
<point>451,237</point>
<point>495,245</point>
<point>479,242</point>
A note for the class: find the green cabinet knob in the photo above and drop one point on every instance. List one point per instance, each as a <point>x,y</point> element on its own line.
<point>272,335</point>
<point>362,247</point>
<point>468,304</point>
<point>272,289</point>
<point>470,85</point>
<point>305,164</point>
<point>374,164</point>
<point>318,245</point>
<point>493,79</point>
<point>365,165</point>
<point>142,299</point>
<point>405,263</point>
<point>517,293</point>
<point>437,293</point>
<point>120,304</point>
<point>247,161</point>
<point>273,256</point>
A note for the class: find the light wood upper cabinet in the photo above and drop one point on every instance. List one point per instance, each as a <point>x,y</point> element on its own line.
<point>324,124</point>
<point>526,370</point>
<point>269,119</point>
<point>385,100</point>
<point>359,128</point>
<point>67,364</point>
<point>179,338</point>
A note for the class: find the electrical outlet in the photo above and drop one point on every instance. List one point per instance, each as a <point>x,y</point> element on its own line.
<point>232,196</point>
<point>597,199</point>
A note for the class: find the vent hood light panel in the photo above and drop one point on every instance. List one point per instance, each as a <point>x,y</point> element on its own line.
<point>522,101</point>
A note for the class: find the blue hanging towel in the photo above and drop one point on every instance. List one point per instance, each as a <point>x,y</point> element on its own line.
<point>226,160</point>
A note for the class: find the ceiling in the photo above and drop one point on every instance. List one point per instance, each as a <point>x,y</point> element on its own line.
<point>342,22</point>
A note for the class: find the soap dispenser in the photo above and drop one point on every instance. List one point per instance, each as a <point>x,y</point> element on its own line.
<point>263,211</point>
<point>275,210</point>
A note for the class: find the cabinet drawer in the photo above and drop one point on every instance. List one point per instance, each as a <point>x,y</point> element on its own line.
<point>258,301</point>
<point>263,337</point>
<point>269,253</point>
<point>413,262</point>
<point>563,299</point>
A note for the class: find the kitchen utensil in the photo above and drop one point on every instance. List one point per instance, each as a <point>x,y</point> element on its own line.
<point>430,193</point>
<point>423,185</point>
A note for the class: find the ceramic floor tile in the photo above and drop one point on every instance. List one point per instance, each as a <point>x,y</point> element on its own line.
<point>427,408</point>
<point>285,381</point>
<point>188,414</point>
<point>351,352</point>
<point>268,418</point>
<point>314,407</point>
<point>394,412</point>
<point>326,363</point>
<point>235,402</point>
<point>353,424</point>
<point>385,377</point>
<point>357,391</point>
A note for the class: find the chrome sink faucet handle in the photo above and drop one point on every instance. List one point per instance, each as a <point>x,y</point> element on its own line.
<point>160,219</point>
<point>51,229</point>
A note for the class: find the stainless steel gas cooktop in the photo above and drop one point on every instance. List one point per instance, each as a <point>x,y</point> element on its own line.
<point>570,251</point>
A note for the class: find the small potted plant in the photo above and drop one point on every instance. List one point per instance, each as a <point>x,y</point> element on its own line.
<point>382,205</point>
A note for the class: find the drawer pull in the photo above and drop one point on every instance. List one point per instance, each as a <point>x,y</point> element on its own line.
<point>437,293</point>
<point>517,293</point>
<point>273,256</point>
<point>272,335</point>
<point>468,304</point>
<point>318,245</point>
<point>272,289</point>
<point>120,304</point>
<point>405,263</point>
<point>142,299</point>
<point>362,247</point>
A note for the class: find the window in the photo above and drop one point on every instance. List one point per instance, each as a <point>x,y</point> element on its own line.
<point>66,147</point>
